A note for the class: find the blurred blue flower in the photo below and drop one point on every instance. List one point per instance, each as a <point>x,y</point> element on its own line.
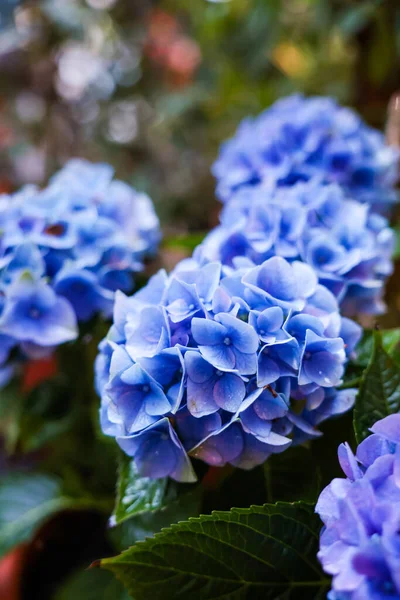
<point>359,544</point>
<point>81,288</point>
<point>34,313</point>
<point>66,249</point>
<point>300,138</point>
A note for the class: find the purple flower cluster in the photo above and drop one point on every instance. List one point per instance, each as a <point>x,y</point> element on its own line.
<point>360,543</point>
<point>225,364</point>
<point>348,246</point>
<point>298,139</point>
<point>64,250</point>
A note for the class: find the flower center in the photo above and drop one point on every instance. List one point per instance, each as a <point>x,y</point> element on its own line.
<point>57,229</point>
<point>227,341</point>
<point>146,389</point>
<point>34,312</point>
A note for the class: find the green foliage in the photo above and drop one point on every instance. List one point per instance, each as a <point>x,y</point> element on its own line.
<point>263,552</point>
<point>184,242</point>
<point>390,339</point>
<point>146,524</point>
<point>137,495</point>
<point>92,585</point>
<point>292,475</point>
<point>47,412</point>
<point>379,393</point>
<point>27,500</point>
<point>11,405</point>
<point>354,19</point>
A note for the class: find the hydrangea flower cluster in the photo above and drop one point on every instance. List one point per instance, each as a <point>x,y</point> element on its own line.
<point>348,246</point>
<point>228,365</point>
<point>64,250</point>
<point>298,139</point>
<point>360,543</point>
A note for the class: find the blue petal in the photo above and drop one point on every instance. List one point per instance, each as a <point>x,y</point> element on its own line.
<point>207,332</point>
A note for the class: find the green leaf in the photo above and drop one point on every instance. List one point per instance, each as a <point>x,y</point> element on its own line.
<point>146,524</point>
<point>379,393</point>
<point>292,475</point>
<point>28,421</point>
<point>11,409</point>
<point>396,253</point>
<point>390,342</point>
<point>184,242</point>
<point>356,18</point>
<point>92,585</point>
<point>27,500</point>
<point>262,552</point>
<point>48,412</point>
<point>138,495</point>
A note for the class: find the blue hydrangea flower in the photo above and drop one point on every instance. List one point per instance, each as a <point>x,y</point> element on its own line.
<point>359,544</point>
<point>223,364</point>
<point>299,138</point>
<point>348,247</point>
<point>209,389</point>
<point>64,251</point>
<point>33,313</point>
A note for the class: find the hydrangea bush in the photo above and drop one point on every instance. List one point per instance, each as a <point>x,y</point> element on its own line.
<point>244,352</point>
<point>64,250</point>
<point>348,246</point>
<point>228,365</point>
<point>360,541</point>
<point>298,139</point>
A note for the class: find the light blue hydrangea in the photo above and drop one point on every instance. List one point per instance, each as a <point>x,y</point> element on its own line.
<point>348,247</point>
<point>298,139</point>
<point>64,251</point>
<point>360,543</point>
<point>224,364</point>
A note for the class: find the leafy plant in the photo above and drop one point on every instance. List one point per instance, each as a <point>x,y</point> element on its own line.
<point>379,393</point>
<point>260,552</point>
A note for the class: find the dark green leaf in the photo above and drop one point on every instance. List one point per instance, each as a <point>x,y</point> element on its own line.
<point>396,253</point>
<point>146,524</point>
<point>390,342</point>
<point>137,495</point>
<point>27,500</point>
<point>30,420</point>
<point>357,17</point>
<point>292,475</point>
<point>379,393</point>
<point>11,409</point>
<point>263,552</point>
<point>92,585</point>
<point>48,412</point>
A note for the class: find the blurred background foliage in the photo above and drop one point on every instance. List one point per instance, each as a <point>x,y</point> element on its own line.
<point>154,87</point>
